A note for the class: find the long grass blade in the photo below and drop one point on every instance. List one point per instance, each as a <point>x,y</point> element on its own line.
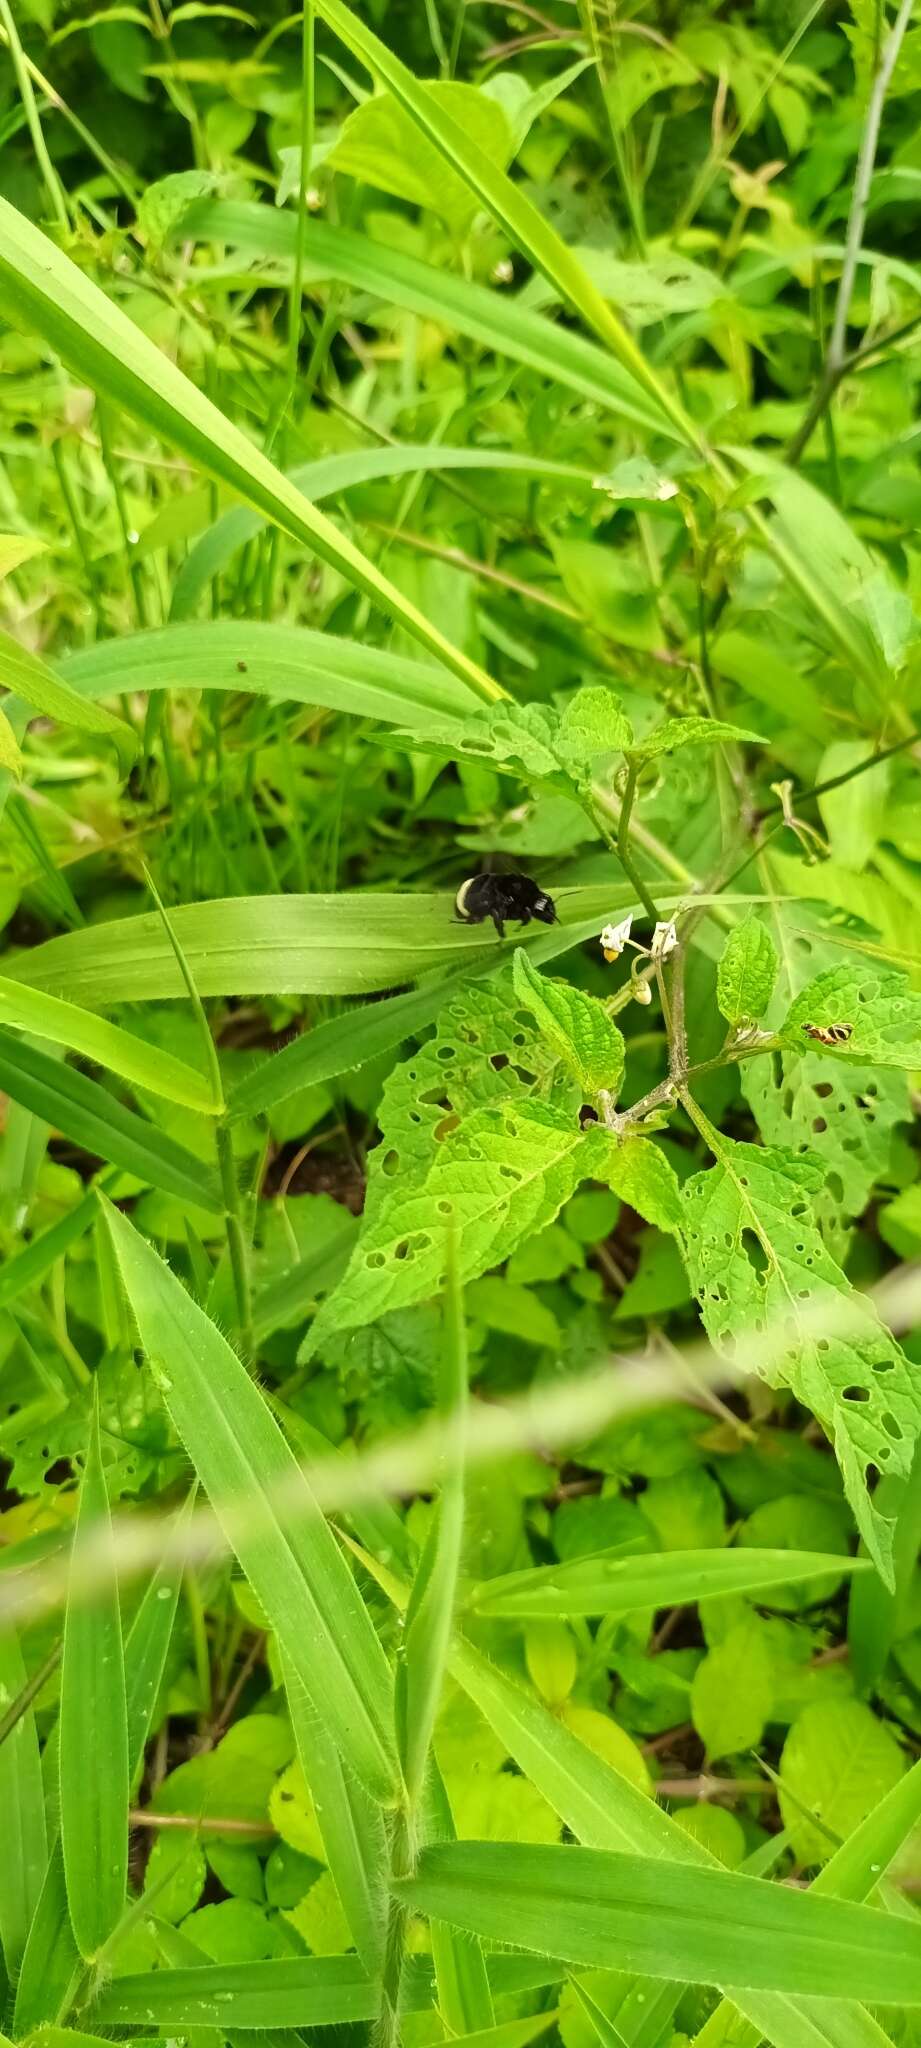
<point>22,1803</point>
<point>613,1584</point>
<point>144,1066</point>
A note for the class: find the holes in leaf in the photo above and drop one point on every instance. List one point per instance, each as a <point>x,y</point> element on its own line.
<point>823,1089</point>
<point>856,1394</point>
<point>390,1164</point>
<point>754,1251</point>
<point>446,1052</point>
<point>445,1208</point>
<point>891,1426</point>
<point>374,1259</point>
<point>498,1060</point>
<point>448,1124</point>
<point>819,1125</point>
<point>881,1365</point>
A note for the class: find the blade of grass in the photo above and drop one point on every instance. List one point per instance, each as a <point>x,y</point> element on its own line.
<point>94,1795</point>
<point>94,1119</point>
<point>147,1644</point>
<point>612,1584</point>
<point>44,293</point>
<point>51,1966</point>
<point>22,1803</point>
<point>143,1065</point>
<point>351,1825</point>
<point>292,1560</point>
<point>308,1991</point>
<point>31,679</point>
<point>670,1921</point>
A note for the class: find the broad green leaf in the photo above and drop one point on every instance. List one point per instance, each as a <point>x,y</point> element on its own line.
<point>838,1762</point>
<point>638,1171</point>
<point>733,1691</point>
<point>691,732</point>
<point>670,1921</point>
<point>144,1065</point>
<point>500,324</point>
<point>613,1584</point>
<point>593,727</point>
<point>520,739</point>
<point>350,944</point>
<point>508,203</point>
<point>327,477</point>
<point>96,1120</point>
<point>30,678</point>
<point>51,1965</point>
<point>577,1025</point>
<point>747,972</point>
<point>430,1610</point>
<point>811,1099</point>
<point>285,664</point>
<point>301,1991</point>
<point>761,673</point>
<point>147,1644</point>
<point>94,1799</point>
<point>879,1009</point>
<point>350,1823</point>
<point>814,1334</point>
<point>45,293</point>
<point>22,1803</point>
<point>269,1515</point>
<point>380,144</point>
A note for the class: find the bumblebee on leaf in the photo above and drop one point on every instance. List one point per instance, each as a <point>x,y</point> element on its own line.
<point>507,899</point>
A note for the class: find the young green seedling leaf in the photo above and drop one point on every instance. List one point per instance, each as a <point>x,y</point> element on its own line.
<point>746,973</point>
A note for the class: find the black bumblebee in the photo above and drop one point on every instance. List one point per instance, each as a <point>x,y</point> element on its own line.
<point>514,899</point>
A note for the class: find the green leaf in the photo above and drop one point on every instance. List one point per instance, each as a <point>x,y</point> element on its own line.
<point>838,1762</point>
<point>854,816</point>
<point>348,944</point>
<point>30,678</point>
<point>284,664</point>
<point>47,294</point>
<point>747,972</point>
<point>136,1061</point>
<point>430,1610</point>
<point>94,1801</point>
<point>733,1691</point>
<point>16,548</point>
<point>380,144</point>
<point>879,1008</point>
<point>22,1803</point>
<point>691,732</point>
<point>51,1966</point>
<point>576,1025</point>
<point>593,727</point>
<point>499,323</point>
<point>350,1824</point>
<point>815,1335</point>
<point>518,738</point>
<point>670,1921</point>
<point>813,1100</point>
<point>269,1515</point>
<point>308,1991</point>
<point>508,203</point>
<point>638,1171</point>
<point>96,1120</point>
<point>147,1644</point>
<point>10,752</point>
<point>611,1584</point>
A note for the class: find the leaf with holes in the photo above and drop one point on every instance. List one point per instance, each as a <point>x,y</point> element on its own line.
<point>812,1100</point>
<point>638,1171</point>
<point>691,732</point>
<point>876,1009</point>
<point>502,1174</point>
<point>519,739</point>
<point>575,1024</point>
<point>747,972</point>
<point>759,1268</point>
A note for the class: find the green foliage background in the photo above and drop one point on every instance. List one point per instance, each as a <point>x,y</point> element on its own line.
<point>459,1393</point>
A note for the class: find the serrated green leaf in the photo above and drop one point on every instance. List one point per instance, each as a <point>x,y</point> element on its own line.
<point>839,1760</point>
<point>733,1691</point>
<point>691,732</point>
<point>812,1100</point>
<point>758,1264</point>
<point>577,1026</point>
<point>518,738</point>
<point>638,1171</point>
<point>747,972</point>
<point>878,1008</point>
<point>593,726</point>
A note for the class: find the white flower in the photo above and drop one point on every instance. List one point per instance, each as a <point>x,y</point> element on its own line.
<point>614,938</point>
<point>503,272</point>
<point>664,940</point>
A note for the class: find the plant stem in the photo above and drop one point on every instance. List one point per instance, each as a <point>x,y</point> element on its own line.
<point>236,1238</point>
<point>835,364</point>
<point>23,1701</point>
<point>50,177</point>
<point>624,854</point>
<point>387,2029</point>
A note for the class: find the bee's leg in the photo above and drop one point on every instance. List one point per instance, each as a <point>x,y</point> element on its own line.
<point>497,921</point>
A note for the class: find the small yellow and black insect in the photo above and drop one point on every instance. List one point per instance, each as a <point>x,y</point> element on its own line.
<point>829,1034</point>
<point>513,899</point>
